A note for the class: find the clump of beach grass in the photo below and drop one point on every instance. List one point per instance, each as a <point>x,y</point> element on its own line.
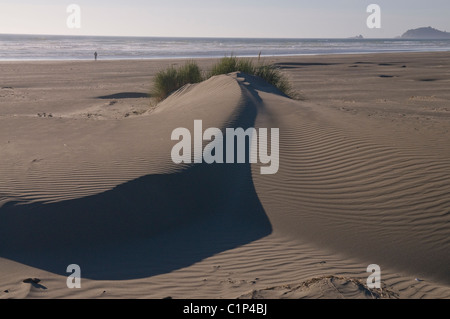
<point>268,72</point>
<point>171,79</point>
<point>232,64</point>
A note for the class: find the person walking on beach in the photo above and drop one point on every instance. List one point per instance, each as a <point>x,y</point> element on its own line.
<point>95,55</point>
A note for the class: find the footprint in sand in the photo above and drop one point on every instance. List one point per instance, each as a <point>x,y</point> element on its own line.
<point>34,283</point>
<point>32,280</point>
<point>7,91</point>
<point>24,289</point>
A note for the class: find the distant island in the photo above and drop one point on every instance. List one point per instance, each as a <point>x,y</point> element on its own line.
<point>357,37</point>
<point>425,33</point>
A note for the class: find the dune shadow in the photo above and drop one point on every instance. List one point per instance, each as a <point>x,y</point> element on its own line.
<point>125,95</point>
<point>254,84</point>
<point>151,225</point>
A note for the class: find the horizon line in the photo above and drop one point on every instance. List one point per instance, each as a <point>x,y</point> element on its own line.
<point>198,37</point>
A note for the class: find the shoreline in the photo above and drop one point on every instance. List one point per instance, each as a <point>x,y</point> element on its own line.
<point>219,57</point>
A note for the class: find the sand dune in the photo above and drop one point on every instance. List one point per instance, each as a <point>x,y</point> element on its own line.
<point>384,203</point>
<point>351,191</point>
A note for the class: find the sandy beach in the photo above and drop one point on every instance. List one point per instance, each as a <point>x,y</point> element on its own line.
<point>86,178</point>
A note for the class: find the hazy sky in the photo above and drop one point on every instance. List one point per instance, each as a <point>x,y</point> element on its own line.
<point>223,18</point>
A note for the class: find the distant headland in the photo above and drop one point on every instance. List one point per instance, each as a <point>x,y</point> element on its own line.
<point>425,33</point>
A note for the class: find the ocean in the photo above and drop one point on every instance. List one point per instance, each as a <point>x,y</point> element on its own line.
<point>54,47</point>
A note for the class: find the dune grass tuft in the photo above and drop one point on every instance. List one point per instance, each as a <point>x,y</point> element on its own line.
<point>232,64</point>
<point>189,73</point>
<point>169,80</point>
<point>268,72</point>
